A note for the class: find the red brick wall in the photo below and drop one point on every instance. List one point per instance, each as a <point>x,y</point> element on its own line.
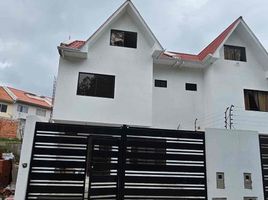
<point>8,128</point>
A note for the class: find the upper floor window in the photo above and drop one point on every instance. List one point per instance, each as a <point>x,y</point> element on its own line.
<point>3,108</point>
<point>97,85</point>
<point>123,38</point>
<point>41,112</point>
<point>256,100</point>
<point>235,53</point>
<point>160,83</point>
<point>191,86</point>
<point>22,108</point>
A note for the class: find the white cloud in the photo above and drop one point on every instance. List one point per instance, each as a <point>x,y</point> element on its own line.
<point>5,64</point>
<point>8,45</point>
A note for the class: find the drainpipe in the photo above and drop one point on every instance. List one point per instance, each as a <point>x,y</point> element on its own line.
<point>178,62</point>
<point>161,52</point>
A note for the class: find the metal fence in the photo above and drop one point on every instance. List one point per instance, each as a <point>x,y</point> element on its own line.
<point>74,162</point>
<point>263,139</point>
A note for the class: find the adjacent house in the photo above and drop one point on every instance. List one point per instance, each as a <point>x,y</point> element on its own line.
<point>18,104</point>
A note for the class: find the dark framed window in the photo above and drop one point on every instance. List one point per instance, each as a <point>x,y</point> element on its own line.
<point>191,86</point>
<point>96,85</point>
<point>160,83</point>
<point>256,100</point>
<point>3,108</point>
<point>123,39</point>
<point>22,108</point>
<point>41,112</point>
<point>235,53</point>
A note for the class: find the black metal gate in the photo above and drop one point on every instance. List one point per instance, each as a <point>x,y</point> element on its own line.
<point>264,162</point>
<point>88,162</point>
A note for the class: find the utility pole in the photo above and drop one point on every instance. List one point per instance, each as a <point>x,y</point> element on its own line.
<point>53,98</point>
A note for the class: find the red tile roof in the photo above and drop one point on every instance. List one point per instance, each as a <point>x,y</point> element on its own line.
<point>29,98</point>
<point>4,96</point>
<point>210,49</point>
<point>77,44</point>
<point>184,56</point>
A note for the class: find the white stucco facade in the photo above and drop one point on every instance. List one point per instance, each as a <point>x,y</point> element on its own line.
<point>226,80</point>
<point>133,71</point>
<point>32,111</point>
<point>137,102</point>
<point>233,153</point>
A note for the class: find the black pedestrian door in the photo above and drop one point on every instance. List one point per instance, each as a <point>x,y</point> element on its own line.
<point>103,168</point>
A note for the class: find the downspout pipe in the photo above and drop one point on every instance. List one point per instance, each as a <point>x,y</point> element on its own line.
<point>178,62</point>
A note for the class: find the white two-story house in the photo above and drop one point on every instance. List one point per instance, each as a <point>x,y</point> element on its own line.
<point>123,75</point>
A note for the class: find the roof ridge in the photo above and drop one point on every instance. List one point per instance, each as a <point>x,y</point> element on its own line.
<point>10,93</point>
<point>26,91</point>
<point>212,47</point>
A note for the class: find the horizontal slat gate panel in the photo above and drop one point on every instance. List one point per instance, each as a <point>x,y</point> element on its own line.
<point>165,165</point>
<point>170,180</point>
<point>153,168</point>
<point>161,156</point>
<point>168,192</point>
<point>56,189</point>
<point>58,163</point>
<point>263,140</point>
<point>165,133</point>
<point>55,176</point>
<point>60,139</point>
<point>159,144</point>
<point>146,164</point>
<point>57,151</point>
<point>103,178</point>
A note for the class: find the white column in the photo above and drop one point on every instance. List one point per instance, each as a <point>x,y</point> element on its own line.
<point>25,157</point>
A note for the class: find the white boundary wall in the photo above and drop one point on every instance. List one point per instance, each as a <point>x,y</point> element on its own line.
<point>25,157</point>
<point>234,153</point>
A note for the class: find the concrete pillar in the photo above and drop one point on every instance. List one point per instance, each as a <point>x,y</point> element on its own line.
<point>25,157</point>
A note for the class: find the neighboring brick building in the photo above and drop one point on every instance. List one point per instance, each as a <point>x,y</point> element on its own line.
<point>8,128</point>
<point>17,104</point>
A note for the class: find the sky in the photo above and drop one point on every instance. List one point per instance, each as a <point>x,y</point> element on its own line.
<point>31,30</point>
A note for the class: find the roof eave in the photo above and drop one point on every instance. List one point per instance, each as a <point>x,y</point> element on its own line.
<point>48,107</point>
<point>71,52</point>
<point>186,63</point>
